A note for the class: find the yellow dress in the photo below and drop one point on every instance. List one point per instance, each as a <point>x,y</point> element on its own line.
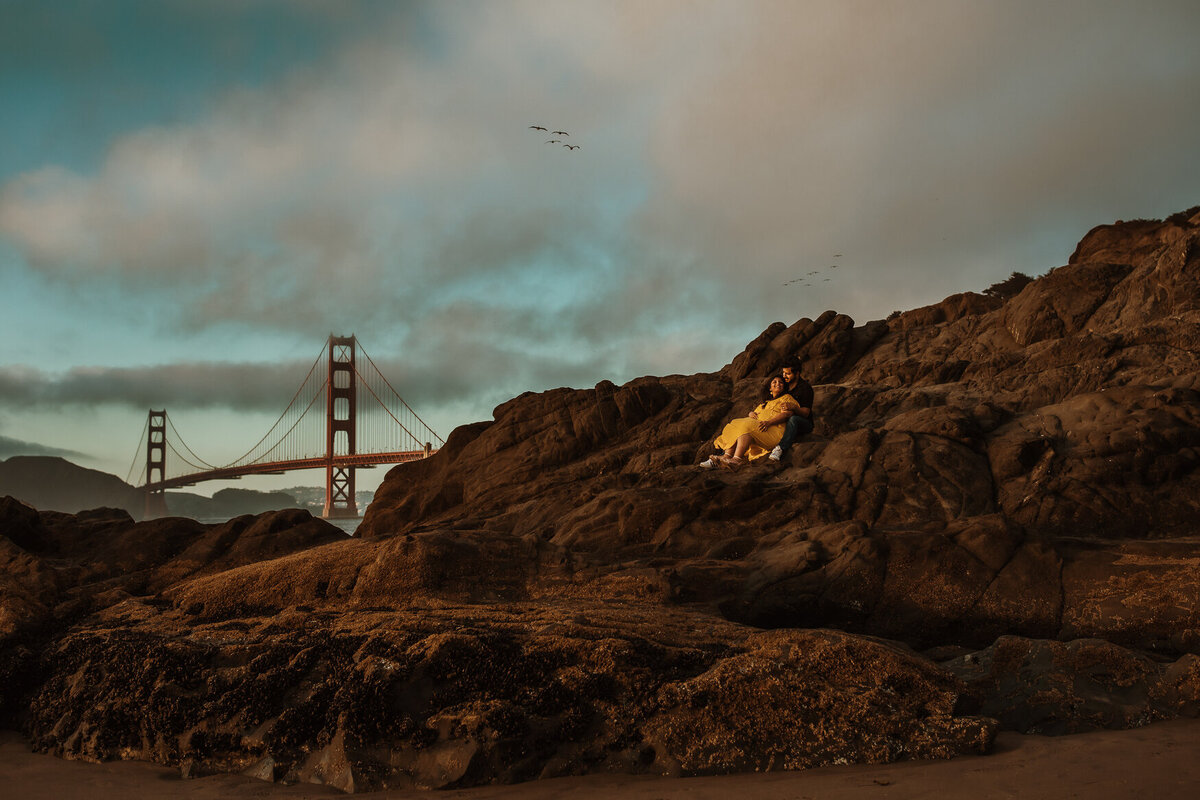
<point>763,441</point>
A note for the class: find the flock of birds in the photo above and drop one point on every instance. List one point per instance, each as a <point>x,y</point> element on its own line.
<point>809,276</point>
<point>805,278</point>
<point>556,141</point>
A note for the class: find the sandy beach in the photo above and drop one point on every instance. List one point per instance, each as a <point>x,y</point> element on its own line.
<point>1157,761</point>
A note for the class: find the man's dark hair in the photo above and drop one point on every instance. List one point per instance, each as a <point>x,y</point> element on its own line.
<point>793,364</point>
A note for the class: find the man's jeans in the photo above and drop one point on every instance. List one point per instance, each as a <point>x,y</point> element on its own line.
<point>796,427</point>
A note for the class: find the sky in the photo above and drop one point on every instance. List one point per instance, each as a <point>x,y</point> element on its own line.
<point>194,194</point>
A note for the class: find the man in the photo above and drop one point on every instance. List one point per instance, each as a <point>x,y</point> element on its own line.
<point>801,423</point>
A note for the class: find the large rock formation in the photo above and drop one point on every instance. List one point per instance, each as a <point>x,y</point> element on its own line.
<point>987,465</point>
<point>992,525</point>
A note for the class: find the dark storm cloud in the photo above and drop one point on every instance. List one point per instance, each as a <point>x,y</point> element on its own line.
<point>461,363</point>
<point>15,447</point>
<point>485,378</point>
<point>250,387</point>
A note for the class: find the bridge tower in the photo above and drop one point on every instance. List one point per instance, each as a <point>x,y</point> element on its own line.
<point>340,419</point>
<point>156,465</point>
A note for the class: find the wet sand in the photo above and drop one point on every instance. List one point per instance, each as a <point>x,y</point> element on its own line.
<point>1160,761</point>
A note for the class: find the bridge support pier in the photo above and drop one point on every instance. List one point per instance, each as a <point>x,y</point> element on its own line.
<point>156,504</point>
<point>339,493</point>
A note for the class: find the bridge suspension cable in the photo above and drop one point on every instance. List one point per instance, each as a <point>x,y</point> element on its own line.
<point>202,465</point>
<point>196,467</point>
<point>139,453</point>
<point>315,382</point>
<point>310,391</point>
<point>375,383</point>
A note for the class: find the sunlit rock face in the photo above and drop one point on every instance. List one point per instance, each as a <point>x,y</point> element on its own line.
<point>983,466</point>
<point>991,527</point>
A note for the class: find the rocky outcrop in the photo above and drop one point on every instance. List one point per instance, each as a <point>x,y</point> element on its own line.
<point>435,697</point>
<point>990,527</point>
<point>979,467</point>
<point>1050,687</point>
<point>60,566</point>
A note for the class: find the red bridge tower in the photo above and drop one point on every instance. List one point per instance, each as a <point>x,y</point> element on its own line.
<point>156,464</point>
<point>339,428</point>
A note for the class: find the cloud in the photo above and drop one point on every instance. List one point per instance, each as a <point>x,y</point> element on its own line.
<point>363,178</point>
<point>15,447</point>
<point>257,387</point>
<point>922,140</point>
<point>468,367</point>
<point>394,187</point>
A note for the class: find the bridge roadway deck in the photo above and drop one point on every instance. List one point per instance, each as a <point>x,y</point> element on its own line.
<point>277,467</point>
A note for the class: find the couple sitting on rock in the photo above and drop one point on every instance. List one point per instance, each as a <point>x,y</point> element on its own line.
<point>785,413</point>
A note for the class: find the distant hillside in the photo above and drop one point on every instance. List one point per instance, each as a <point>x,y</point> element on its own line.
<point>50,483</point>
<point>228,503</point>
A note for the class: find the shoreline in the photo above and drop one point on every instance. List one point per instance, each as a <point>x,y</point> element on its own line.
<point>1157,760</point>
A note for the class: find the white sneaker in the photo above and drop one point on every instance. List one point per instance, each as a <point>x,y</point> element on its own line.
<point>776,454</point>
<point>710,464</point>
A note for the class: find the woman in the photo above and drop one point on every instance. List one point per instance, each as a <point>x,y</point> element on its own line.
<point>754,435</point>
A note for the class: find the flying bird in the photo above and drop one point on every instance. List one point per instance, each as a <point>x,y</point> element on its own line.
<point>837,255</point>
<point>572,146</point>
<point>537,127</point>
<point>560,133</point>
<point>553,141</point>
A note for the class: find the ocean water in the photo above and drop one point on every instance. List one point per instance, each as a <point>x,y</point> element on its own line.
<point>348,524</point>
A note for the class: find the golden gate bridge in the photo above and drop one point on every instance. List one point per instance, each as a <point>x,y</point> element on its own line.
<point>324,426</point>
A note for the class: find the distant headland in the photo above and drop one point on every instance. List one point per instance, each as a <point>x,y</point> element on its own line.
<point>55,484</point>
